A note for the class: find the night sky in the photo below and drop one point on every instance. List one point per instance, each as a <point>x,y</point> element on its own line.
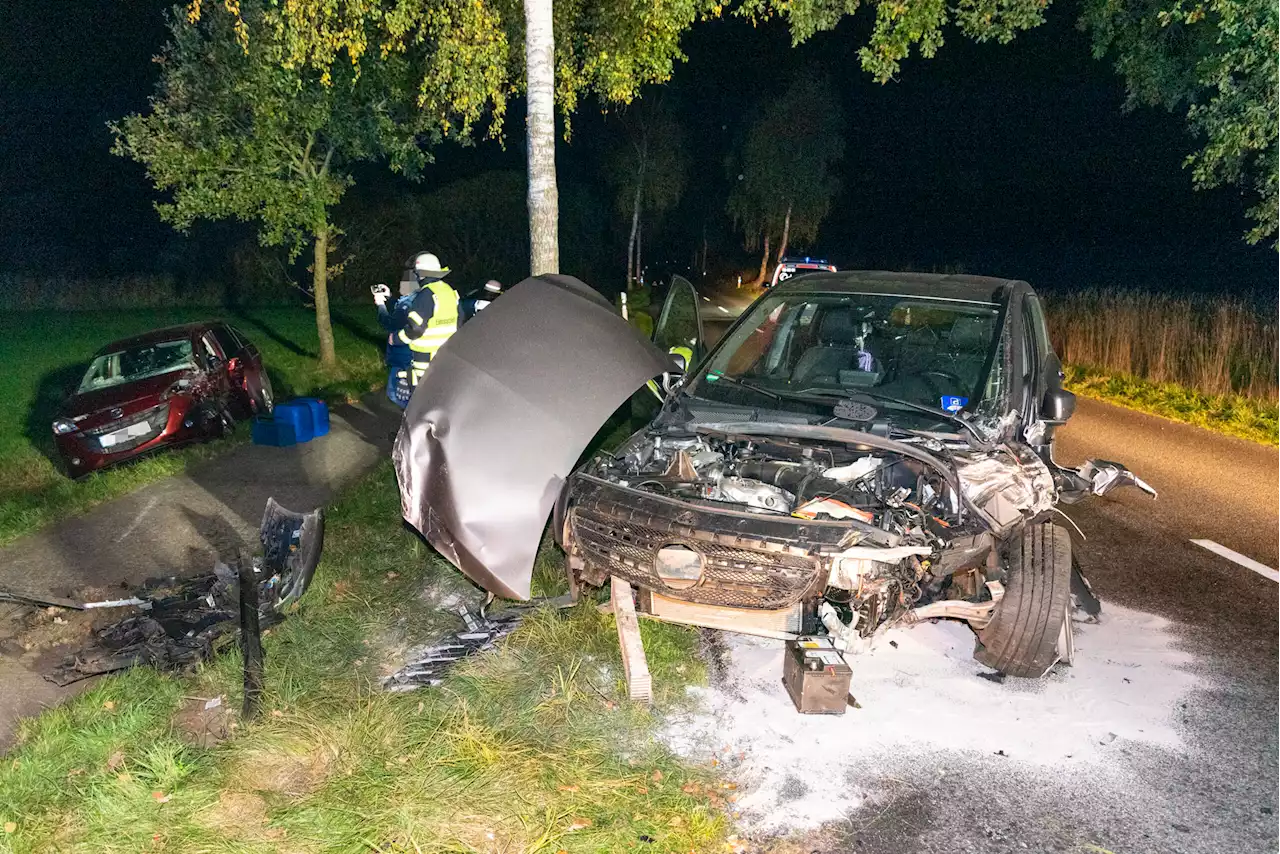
<point>1012,160</point>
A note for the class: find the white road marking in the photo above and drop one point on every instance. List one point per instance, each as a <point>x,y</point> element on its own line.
<point>722,308</point>
<point>138,519</point>
<point>706,299</point>
<point>1247,562</point>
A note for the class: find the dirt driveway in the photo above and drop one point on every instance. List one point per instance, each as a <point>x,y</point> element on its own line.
<point>177,526</point>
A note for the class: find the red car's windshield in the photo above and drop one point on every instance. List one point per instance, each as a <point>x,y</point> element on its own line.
<point>137,363</point>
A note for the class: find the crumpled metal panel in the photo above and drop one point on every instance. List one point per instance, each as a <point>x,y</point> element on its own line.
<point>503,414</point>
<point>1008,488</point>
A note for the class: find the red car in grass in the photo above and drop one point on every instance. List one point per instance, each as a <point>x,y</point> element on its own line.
<point>160,389</point>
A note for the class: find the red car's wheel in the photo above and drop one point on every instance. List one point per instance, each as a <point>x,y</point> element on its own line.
<point>261,396</point>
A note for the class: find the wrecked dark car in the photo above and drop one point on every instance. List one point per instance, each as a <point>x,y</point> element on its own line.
<point>859,450</point>
<point>157,390</point>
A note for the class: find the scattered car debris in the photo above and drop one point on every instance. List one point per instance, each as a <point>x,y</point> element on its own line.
<point>38,600</point>
<point>860,450</point>
<point>430,665</point>
<point>182,621</point>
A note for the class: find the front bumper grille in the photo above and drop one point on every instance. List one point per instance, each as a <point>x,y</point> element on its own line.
<point>733,575</point>
<point>128,433</point>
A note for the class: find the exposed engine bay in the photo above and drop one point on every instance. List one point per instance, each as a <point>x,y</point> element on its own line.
<point>811,480</point>
<point>897,517</point>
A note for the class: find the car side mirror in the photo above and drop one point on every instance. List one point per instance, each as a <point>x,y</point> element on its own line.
<point>1057,407</point>
<point>682,364</point>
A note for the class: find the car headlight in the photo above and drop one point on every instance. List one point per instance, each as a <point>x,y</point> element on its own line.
<point>62,426</point>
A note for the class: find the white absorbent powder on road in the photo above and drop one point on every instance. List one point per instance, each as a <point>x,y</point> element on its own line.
<point>925,698</point>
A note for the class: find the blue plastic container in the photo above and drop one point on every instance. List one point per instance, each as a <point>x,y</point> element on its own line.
<point>298,414</point>
<point>319,415</point>
<point>279,434</point>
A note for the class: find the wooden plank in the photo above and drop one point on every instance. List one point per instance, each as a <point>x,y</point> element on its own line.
<point>634,664</point>
<point>783,623</point>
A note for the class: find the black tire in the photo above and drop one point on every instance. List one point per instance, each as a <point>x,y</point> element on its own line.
<point>262,395</point>
<point>1022,638</point>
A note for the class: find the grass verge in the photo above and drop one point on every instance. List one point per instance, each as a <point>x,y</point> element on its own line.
<point>1233,415</point>
<point>530,748</point>
<point>45,352</point>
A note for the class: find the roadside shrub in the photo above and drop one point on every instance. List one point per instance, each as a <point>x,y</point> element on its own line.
<point>1214,346</point>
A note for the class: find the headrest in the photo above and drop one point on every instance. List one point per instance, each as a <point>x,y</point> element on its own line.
<point>838,329</point>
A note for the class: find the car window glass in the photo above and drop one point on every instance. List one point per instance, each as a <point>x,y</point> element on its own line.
<point>678,326</point>
<point>1038,320</point>
<point>211,349</point>
<point>226,340</point>
<point>137,363</point>
<point>241,339</point>
<point>919,349</point>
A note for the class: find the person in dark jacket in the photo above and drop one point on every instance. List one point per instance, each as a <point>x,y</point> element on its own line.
<point>399,358</point>
<point>474,302</point>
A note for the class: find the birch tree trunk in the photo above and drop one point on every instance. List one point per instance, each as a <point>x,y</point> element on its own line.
<point>539,55</point>
<point>786,235</point>
<point>320,291</point>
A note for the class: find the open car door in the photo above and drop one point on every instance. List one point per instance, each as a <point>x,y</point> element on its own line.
<point>503,413</point>
<point>679,328</point>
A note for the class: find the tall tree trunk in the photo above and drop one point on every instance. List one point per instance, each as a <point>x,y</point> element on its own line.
<point>539,57</point>
<point>639,246</point>
<point>786,234</point>
<point>764,262</point>
<point>633,242</point>
<point>320,290</point>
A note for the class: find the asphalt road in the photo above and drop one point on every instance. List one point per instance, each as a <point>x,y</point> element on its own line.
<point>1219,792</point>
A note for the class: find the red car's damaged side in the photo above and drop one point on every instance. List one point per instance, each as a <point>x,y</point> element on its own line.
<point>216,376</point>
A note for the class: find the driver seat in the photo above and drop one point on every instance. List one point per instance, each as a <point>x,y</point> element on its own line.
<point>836,351</point>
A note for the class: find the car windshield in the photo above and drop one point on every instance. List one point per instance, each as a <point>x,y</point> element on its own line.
<point>137,363</point>
<point>917,350</point>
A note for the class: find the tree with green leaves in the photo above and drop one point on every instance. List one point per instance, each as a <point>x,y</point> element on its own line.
<point>901,25</point>
<point>468,68</point>
<point>235,131</point>
<point>786,168</point>
<point>1216,59</point>
<point>472,56</point>
<point>647,169</point>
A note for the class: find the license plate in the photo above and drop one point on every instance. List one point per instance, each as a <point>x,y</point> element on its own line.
<point>124,434</point>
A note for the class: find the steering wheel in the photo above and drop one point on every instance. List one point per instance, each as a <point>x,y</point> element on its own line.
<point>936,372</point>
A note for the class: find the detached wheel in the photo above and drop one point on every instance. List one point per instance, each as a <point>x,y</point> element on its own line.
<point>1030,630</point>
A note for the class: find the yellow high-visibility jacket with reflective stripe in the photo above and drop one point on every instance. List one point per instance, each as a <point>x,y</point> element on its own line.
<point>427,337</point>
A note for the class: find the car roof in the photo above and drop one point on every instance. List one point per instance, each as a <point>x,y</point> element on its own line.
<point>941,286</point>
<point>168,333</point>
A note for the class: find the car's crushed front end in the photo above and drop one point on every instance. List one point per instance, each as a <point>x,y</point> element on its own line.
<point>797,524</point>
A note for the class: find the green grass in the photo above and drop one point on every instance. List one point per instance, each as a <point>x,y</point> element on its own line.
<point>1233,415</point>
<point>529,748</point>
<point>43,353</point>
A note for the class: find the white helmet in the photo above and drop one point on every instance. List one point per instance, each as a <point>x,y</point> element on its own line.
<point>493,286</point>
<point>426,264</point>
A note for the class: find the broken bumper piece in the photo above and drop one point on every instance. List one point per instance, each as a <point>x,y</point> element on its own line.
<point>185,621</point>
